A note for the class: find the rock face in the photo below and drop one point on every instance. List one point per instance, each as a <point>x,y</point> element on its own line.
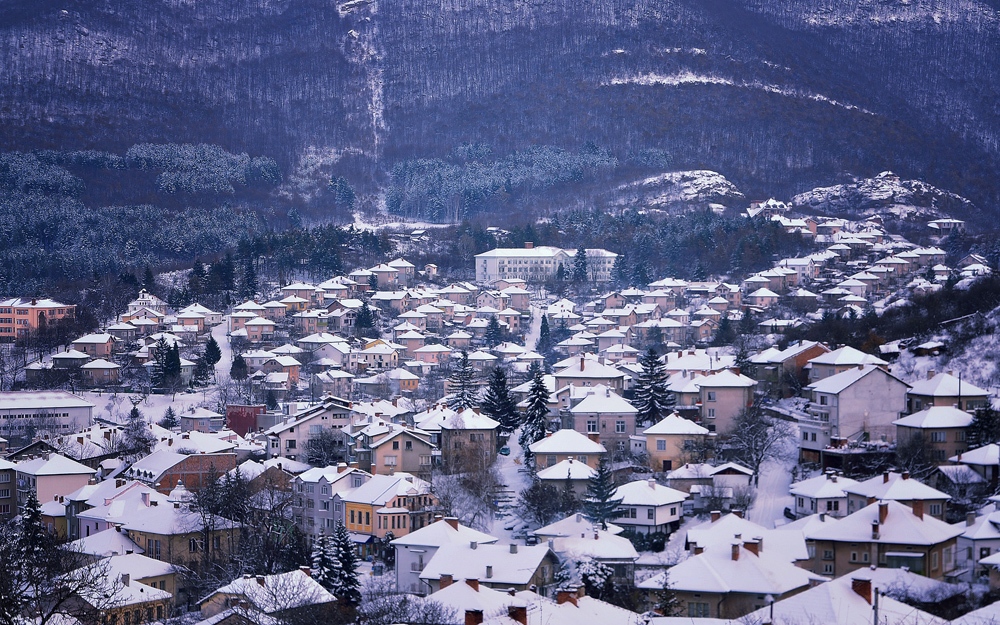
<point>679,191</point>
<point>886,194</point>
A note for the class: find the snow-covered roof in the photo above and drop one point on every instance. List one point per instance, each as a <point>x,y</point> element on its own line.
<point>276,593</point>
<point>53,464</point>
<point>839,382</point>
<point>896,487</point>
<point>987,455</point>
<point>947,385</point>
<point>847,356</point>
<point>34,400</point>
<point>442,533</point>
<point>105,543</point>
<point>716,571</point>
<point>648,493</point>
<point>606,402</point>
<point>823,487</point>
<point>598,545</point>
<point>566,441</point>
<point>900,527</point>
<point>726,379</point>
<point>505,566</point>
<point>936,417</point>
<point>676,424</point>
<point>789,545</point>
<point>570,468</point>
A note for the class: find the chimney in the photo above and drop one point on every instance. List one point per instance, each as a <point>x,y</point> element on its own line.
<point>582,359</point>
<point>260,580</point>
<point>306,570</point>
<point>446,580</point>
<point>822,517</point>
<point>473,584</point>
<point>715,515</point>
<point>518,613</point>
<point>452,521</point>
<point>698,550</point>
<point>594,436</point>
<point>833,478</point>
<point>906,475</point>
<point>738,513</point>
<point>341,467</point>
<point>125,579</point>
<point>473,617</point>
<point>874,530</point>
<point>119,482</point>
<point>562,596</point>
<point>473,545</point>
<point>931,373</point>
<point>528,245</point>
<point>736,551</point>
<point>885,477</point>
<point>883,511</point>
<point>760,543</point>
<point>145,499</point>
<point>513,547</point>
<point>79,440</point>
<point>918,508</point>
<point>970,518</point>
<point>651,482</point>
<point>863,587</point>
<point>752,546</point>
<point>869,500</point>
<point>489,571</point>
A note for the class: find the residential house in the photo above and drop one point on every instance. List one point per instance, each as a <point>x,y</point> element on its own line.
<point>270,599</point>
<point>502,567</point>
<point>724,395</point>
<point>564,444</point>
<point>164,468</point>
<point>839,361</point>
<point>313,507</point>
<point>95,345</point>
<point>19,315</point>
<point>944,389</point>
<point>288,438</point>
<point>589,372</point>
<point>899,487</point>
<point>415,550</point>
<point>466,438</point>
<point>674,441</point>
<point>823,494</point>
<point>386,504</point>
<point>941,428</point>
<point>606,414</point>
<point>49,477</point>
<point>648,507</point>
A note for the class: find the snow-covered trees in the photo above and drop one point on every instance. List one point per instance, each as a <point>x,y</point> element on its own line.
<point>239,369</point>
<point>169,420</point>
<point>365,320</point>
<point>213,353</point>
<point>580,266</point>
<point>325,562</point>
<point>757,437</point>
<point>137,438</point>
<point>652,399</point>
<point>494,333</point>
<point>536,416</point>
<point>498,404</point>
<point>599,502</point>
<point>462,385</point>
<point>347,587</point>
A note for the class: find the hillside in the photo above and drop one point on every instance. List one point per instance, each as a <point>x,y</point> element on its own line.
<point>776,97</point>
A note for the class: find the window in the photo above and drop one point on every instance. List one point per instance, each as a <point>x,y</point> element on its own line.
<point>711,413</point>
<point>805,436</point>
<point>650,514</point>
<point>390,461</point>
<point>619,427</point>
<point>822,400</point>
<point>395,444</point>
<point>5,493</point>
<point>697,610</point>
<point>592,425</point>
<point>290,443</point>
<point>813,437</point>
<point>832,506</point>
<point>710,396</point>
<point>408,445</point>
<point>673,511</point>
<point>934,560</point>
<point>828,569</point>
<point>661,445</point>
<point>864,557</point>
<point>854,556</point>
<point>939,437</point>
<point>935,509</point>
<point>984,552</point>
<point>828,554</point>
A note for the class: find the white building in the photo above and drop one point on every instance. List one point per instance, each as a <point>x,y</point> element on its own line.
<point>537,264</point>
<point>25,414</point>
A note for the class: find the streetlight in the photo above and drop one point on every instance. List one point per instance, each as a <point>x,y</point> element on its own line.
<point>770,601</point>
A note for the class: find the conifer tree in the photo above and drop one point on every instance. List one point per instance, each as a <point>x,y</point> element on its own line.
<point>498,404</point>
<point>137,437</point>
<point>248,281</point>
<point>348,587</point>
<point>599,502</point>
<point>365,320</point>
<point>494,333</point>
<point>169,420</point>
<point>580,266</point>
<point>544,343</point>
<point>202,371</point>
<point>536,417</point>
<point>325,562</point>
<point>651,394</point>
<point>213,353</point>
<point>462,385</point>
<point>239,371</point>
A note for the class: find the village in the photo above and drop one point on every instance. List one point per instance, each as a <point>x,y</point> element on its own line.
<point>389,447</point>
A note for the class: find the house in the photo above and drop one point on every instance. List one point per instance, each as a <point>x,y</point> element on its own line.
<point>603,546</point>
<point>8,494</point>
<point>100,372</point>
<point>847,600</point>
<point>899,487</point>
<point>589,372</point>
<point>606,414</point>
<point>467,436</point>
<point>313,508</point>
<point>728,583</point>
<point>724,395</point>
<point>564,444</point>
<point>840,360</point>
<point>983,460</point>
<point>720,531</point>
<point>859,403</point>
<point>675,440</point>
<point>648,507</point>
<point>95,345</point>
<point>176,534</point>
<point>289,437</point>
<point>396,448</point>
<point>979,540</point>
<point>386,504</point>
<point>784,371</point>
<point>259,329</point>
<point>116,597</point>
<point>885,533</point>
<point>202,420</point>
<point>19,315</point>
<point>944,389</point>
<point>822,494</point>
<point>25,414</point>
<point>942,428</point>
<point>164,468</point>
<point>332,382</point>
<point>49,477</point>
<point>576,474</point>
<point>294,594</point>
<point>501,567</point>
<point>415,550</point>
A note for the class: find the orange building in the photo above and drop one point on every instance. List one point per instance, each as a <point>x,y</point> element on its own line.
<point>20,316</point>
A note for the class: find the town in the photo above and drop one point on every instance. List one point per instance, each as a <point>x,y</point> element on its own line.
<point>542,442</point>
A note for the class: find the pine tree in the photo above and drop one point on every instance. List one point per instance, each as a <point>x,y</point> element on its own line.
<point>619,271</point>
<point>239,371</point>
<point>544,343</point>
<point>599,502</point>
<point>462,385</point>
<point>137,436</point>
<point>580,266</point>
<point>213,353</point>
<point>498,404</point>
<point>651,394</point>
<point>494,333</point>
<point>568,503</point>
<point>325,562</point>
<point>248,281</point>
<point>148,279</point>
<point>172,366</point>
<point>348,587</point>
<point>365,320</point>
<point>373,282</point>
<point>169,420</point>
<point>667,603</point>
<point>270,400</point>
<point>158,371</point>
<point>536,416</point>
<point>725,334</point>
<point>202,372</point>
<point>984,429</point>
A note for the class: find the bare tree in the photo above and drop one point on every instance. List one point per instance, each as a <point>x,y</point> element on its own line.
<point>757,437</point>
<point>382,604</point>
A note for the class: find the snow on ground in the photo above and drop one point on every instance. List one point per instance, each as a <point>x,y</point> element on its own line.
<point>772,490</point>
<point>360,223</point>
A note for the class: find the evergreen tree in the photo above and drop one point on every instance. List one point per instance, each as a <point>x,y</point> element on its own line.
<point>270,400</point>
<point>169,420</point>
<point>599,502</point>
<point>580,266</point>
<point>158,370</point>
<point>619,272</point>
<point>498,404</point>
<point>248,281</point>
<point>462,385</point>
<point>568,502</point>
<point>494,333</point>
<point>725,334</point>
<point>652,398</point>
<point>667,603</point>
<point>325,562</point>
<point>148,279</point>
<point>213,353</point>
<point>172,366</point>
<point>365,320</point>
<point>239,370</point>
<point>536,416</point>
<point>373,282</point>
<point>560,281</point>
<point>984,429</point>
<point>136,436</point>
<point>544,343</point>
<point>348,587</point>
<point>640,273</point>
<point>202,372</point>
